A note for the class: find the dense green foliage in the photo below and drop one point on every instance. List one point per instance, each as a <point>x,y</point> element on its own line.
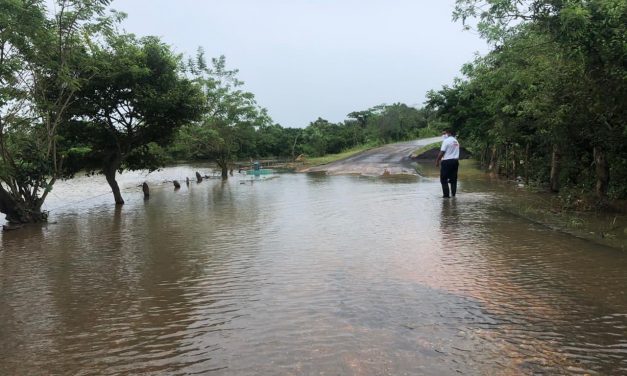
<point>77,94</point>
<point>41,59</point>
<point>549,102</point>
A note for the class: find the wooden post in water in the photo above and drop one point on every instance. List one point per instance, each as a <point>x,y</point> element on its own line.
<point>146,190</point>
<point>176,184</point>
<point>187,181</point>
<point>198,177</point>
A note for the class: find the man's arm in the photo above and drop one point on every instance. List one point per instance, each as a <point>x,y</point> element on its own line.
<point>438,159</point>
<point>441,155</point>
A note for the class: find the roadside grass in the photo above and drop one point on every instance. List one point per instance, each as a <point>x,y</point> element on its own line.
<point>326,159</point>
<point>602,226</point>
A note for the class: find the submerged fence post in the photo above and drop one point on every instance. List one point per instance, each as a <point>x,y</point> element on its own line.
<point>146,190</point>
<point>198,177</point>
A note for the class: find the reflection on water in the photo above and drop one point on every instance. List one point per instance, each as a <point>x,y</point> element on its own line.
<point>305,275</point>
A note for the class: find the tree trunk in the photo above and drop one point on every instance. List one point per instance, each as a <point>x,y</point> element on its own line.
<point>492,166</point>
<point>485,154</point>
<point>527,164</point>
<point>8,206</point>
<point>224,167</point>
<point>506,162</point>
<point>17,212</point>
<point>146,190</point>
<point>514,160</point>
<point>556,158</point>
<point>294,147</point>
<point>112,164</point>
<point>602,171</point>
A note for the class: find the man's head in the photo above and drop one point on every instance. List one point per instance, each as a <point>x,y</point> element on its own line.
<point>448,132</point>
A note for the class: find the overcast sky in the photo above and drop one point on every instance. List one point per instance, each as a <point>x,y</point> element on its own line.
<point>305,59</point>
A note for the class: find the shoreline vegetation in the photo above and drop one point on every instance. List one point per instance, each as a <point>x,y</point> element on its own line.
<point>547,103</point>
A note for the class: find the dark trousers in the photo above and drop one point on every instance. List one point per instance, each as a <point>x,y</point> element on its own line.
<point>448,174</point>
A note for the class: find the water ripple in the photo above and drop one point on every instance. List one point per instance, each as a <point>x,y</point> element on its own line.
<point>307,275</point>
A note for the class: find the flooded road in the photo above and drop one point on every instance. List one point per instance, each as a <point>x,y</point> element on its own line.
<point>304,274</point>
<point>390,159</point>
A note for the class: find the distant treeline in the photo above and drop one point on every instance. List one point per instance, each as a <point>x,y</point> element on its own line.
<point>549,102</point>
<point>378,125</point>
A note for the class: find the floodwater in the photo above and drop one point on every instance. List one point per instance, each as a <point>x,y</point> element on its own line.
<point>301,275</point>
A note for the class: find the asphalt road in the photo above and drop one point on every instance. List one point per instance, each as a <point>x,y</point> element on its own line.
<point>392,159</point>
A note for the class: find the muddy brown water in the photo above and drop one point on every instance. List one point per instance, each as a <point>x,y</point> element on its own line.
<point>304,274</point>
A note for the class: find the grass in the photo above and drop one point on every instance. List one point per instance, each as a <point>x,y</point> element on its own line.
<point>599,226</point>
<point>318,161</point>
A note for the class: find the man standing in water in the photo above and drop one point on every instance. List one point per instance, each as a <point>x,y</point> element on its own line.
<point>449,158</point>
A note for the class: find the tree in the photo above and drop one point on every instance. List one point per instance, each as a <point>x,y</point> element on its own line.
<point>359,124</point>
<point>293,136</point>
<point>591,33</point>
<point>316,137</point>
<point>272,140</point>
<point>135,100</point>
<point>388,123</point>
<point>41,63</point>
<point>232,115</point>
